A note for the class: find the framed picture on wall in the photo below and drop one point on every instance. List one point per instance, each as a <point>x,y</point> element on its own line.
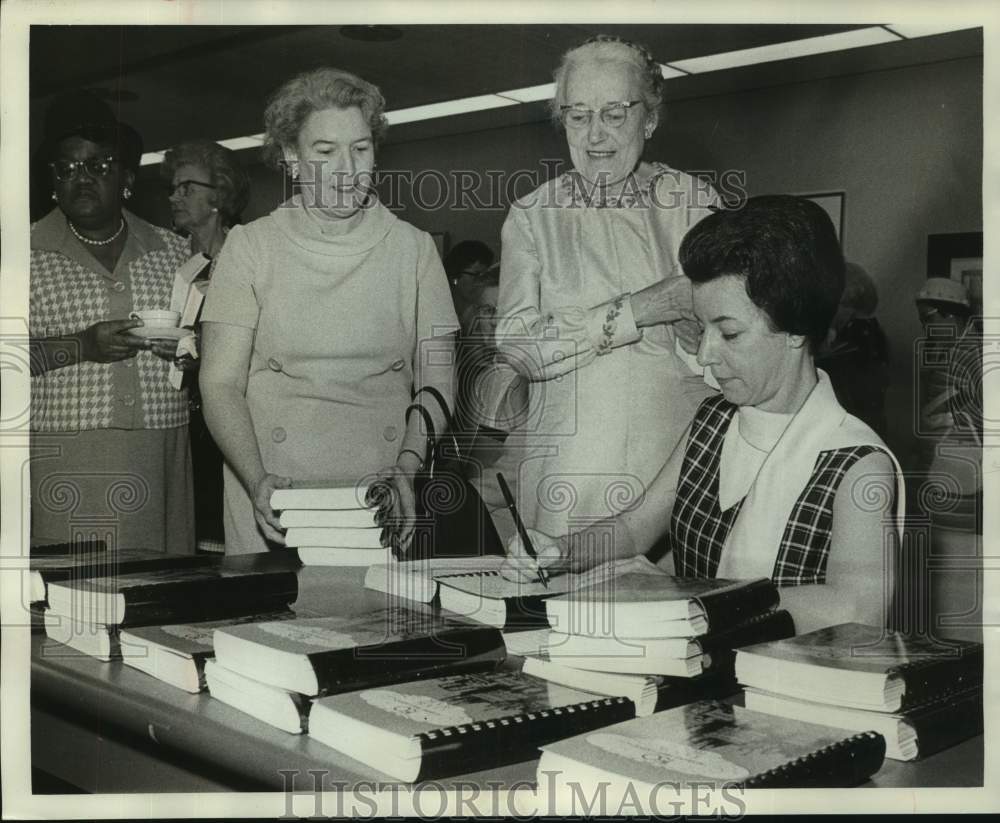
<point>958,257</point>
<point>832,203</point>
<point>441,241</point>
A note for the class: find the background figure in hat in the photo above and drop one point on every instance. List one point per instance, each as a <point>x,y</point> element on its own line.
<point>951,402</point>
<point>110,451</point>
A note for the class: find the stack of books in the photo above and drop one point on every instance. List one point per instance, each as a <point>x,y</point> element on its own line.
<point>89,614</point>
<point>482,594</point>
<point>274,670</point>
<point>177,654</point>
<point>331,526</point>
<point>922,696</point>
<point>705,744</point>
<point>643,624</point>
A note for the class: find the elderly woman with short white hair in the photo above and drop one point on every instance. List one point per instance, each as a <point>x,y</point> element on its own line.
<point>591,295</point>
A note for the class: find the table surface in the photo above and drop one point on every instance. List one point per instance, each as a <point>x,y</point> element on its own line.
<point>75,698</point>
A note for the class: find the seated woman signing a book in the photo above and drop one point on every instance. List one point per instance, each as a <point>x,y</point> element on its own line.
<point>773,478</point>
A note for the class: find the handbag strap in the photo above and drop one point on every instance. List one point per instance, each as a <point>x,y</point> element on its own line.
<point>449,420</point>
<point>431,432</point>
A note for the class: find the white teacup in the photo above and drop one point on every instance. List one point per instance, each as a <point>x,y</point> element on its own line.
<point>157,318</point>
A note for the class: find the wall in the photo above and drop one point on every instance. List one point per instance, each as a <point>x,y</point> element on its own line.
<point>904,144</point>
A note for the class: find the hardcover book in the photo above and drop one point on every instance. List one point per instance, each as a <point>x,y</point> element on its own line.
<point>330,556</point>
<point>94,640</point>
<point>335,538</point>
<point>456,724</point>
<point>332,497</point>
<point>285,710</point>
<point>418,579</point>
<point>489,598</point>
<point>176,654</point>
<point>330,518</point>
<point>327,655</point>
<point>177,594</point>
<point>864,667</point>
<point>637,606</point>
<point>68,561</point>
<point>677,656</point>
<point>918,732</point>
<point>712,743</point>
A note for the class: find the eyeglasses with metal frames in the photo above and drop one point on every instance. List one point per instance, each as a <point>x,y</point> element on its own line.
<point>612,115</point>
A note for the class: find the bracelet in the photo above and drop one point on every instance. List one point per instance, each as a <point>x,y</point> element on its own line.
<point>415,453</point>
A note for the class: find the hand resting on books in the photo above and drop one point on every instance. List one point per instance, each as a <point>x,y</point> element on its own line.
<point>266,517</point>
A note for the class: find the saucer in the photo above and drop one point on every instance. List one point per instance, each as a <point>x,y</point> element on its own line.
<point>160,332</point>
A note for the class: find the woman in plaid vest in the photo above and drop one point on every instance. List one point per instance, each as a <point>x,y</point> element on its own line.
<point>773,478</point>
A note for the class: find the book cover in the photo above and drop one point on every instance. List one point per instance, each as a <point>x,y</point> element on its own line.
<point>326,655</point>
<point>715,743</point>
<point>177,653</point>
<point>460,723</point>
<point>487,597</point>
<point>418,579</point>
<point>888,668</point>
<point>920,731</point>
<point>82,560</point>
<point>629,602</point>
<point>348,496</point>
<point>174,595</point>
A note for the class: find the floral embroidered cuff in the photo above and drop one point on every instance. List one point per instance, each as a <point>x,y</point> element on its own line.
<point>613,325</point>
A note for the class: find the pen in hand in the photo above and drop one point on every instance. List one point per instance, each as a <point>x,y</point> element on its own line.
<point>521,530</point>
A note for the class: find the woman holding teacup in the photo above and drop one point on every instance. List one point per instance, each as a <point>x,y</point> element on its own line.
<point>110,449</point>
<point>322,319</point>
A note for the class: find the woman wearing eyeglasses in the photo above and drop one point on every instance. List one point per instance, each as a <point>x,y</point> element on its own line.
<point>110,448</point>
<point>208,190</point>
<point>593,304</point>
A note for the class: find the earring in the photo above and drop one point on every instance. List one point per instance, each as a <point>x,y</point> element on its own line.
<point>126,192</point>
<point>55,199</point>
<point>215,210</point>
<point>295,170</point>
<point>649,132</point>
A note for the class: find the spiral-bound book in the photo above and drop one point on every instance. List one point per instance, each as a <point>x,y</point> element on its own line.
<point>859,666</point>
<point>458,724</point>
<point>710,743</point>
<point>917,732</point>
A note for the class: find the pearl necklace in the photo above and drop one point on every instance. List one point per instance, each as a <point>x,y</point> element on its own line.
<point>90,242</point>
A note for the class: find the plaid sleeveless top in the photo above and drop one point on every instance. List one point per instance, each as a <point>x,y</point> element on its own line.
<point>698,528</point>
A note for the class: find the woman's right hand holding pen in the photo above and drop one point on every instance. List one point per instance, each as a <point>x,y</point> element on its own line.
<point>520,567</point>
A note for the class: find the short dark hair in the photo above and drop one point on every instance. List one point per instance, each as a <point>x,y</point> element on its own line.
<point>227,175</point>
<point>786,250</point>
<point>465,254</point>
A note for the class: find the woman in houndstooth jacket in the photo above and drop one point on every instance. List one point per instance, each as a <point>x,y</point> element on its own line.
<point>773,478</point>
<point>110,453</point>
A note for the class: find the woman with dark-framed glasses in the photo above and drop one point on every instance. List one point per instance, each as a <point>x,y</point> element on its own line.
<point>593,306</point>
<point>110,449</point>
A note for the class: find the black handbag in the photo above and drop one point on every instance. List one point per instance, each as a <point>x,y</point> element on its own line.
<point>452,520</point>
